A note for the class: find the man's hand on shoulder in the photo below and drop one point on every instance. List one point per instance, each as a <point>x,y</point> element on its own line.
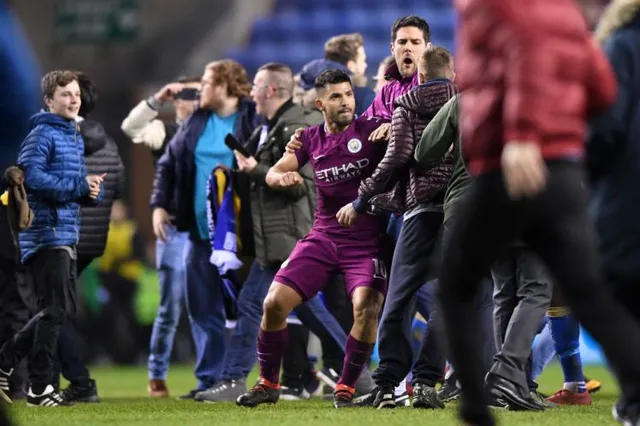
<point>294,143</point>
<point>382,133</point>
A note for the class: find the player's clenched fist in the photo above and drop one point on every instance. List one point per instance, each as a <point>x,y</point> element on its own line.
<point>290,179</point>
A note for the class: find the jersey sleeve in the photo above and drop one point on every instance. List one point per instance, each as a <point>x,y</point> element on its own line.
<point>369,124</point>
<point>302,154</point>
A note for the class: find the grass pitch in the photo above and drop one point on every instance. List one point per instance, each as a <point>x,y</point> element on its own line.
<point>124,402</point>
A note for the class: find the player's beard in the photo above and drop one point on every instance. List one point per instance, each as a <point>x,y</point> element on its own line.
<point>342,120</point>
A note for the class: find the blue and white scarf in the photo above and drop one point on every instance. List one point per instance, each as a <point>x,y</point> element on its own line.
<point>222,222</point>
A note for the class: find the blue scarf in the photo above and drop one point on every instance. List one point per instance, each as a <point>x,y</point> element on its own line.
<point>222,222</point>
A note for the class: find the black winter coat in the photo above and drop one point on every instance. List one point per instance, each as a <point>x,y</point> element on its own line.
<point>101,156</point>
<point>613,147</point>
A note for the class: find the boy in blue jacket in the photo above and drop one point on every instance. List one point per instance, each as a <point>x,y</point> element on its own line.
<point>56,182</point>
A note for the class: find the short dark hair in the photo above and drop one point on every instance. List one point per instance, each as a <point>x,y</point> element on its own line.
<point>186,79</point>
<point>434,61</point>
<point>276,67</point>
<point>411,21</point>
<point>331,76</point>
<point>53,79</point>
<point>88,94</point>
<point>343,48</point>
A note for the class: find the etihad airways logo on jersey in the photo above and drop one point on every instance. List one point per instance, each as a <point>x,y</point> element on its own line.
<point>345,171</point>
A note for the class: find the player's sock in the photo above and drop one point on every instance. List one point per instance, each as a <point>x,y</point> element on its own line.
<point>357,354</point>
<point>565,332</point>
<point>271,347</point>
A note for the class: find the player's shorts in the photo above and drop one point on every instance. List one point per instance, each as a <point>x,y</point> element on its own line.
<point>316,259</point>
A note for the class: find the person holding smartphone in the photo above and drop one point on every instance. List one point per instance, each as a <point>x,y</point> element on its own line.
<point>143,127</point>
<point>179,199</point>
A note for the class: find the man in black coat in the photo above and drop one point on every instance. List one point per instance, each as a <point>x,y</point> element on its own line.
<point>613,149</point>
<point>102,159</point>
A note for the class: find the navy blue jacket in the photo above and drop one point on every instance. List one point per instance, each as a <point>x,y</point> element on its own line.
<point>175,171</point>
<point>613,148</point>
<point>52,157</point>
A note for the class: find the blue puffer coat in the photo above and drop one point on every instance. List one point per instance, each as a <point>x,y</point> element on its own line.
<point>52,157</point>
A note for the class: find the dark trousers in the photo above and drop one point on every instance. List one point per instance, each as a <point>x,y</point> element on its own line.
<point>70,360</point>
<point>522,296</point>
<point>296,367</point>
<point>555,224</point>
<point>410,270</point>
<point>16,307</point>
<point>430,364</point>
<point>53,273</point>
<point>339,305</point>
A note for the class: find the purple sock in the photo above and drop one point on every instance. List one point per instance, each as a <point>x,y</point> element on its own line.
<point>271,347</point>
<point>357,354</point>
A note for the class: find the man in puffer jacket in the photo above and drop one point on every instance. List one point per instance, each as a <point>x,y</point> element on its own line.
<point>399,185</point>
<point>102,158</point>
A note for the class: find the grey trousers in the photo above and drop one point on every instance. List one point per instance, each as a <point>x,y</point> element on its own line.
<point>522,294</point>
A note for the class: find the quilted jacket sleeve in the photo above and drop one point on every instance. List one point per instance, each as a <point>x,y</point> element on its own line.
<point>34,152</point>
<point>399,153</point>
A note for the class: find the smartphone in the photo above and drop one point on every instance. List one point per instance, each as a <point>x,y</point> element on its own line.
<point>234,145</point>
<point>188,94</point>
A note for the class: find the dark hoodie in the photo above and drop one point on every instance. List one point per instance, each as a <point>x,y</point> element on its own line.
<point>399,184</point>
<point>101,156</point>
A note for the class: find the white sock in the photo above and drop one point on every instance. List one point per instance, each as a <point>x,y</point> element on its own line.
<point>576,387</point>
<point>401,388</point>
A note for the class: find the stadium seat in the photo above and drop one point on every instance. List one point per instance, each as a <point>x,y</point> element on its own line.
<point>296,31</point>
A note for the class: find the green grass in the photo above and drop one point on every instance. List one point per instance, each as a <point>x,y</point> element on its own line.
<point>124,402</point>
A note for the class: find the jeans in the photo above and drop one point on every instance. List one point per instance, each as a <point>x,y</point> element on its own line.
<point>543,351</point>
<point>205,304</point>
<point>170,263</point>
<point>242,351</point>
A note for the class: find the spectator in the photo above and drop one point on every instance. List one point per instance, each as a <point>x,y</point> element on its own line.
<point>55,174</point>
<point>142,126</point>
<point>120,267</point>
<point>613,156</point>
<point>381,74</point>
<point>20,99</point>
<point>181,178</point>
<point>102,158</point>
<point>401,186</point>
<point>15,291</point>
<point>348,50</point>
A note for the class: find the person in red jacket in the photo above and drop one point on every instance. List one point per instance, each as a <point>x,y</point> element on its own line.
<point>531,78</point>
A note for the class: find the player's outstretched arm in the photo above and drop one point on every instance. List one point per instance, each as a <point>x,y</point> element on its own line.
<point>284,173</point>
